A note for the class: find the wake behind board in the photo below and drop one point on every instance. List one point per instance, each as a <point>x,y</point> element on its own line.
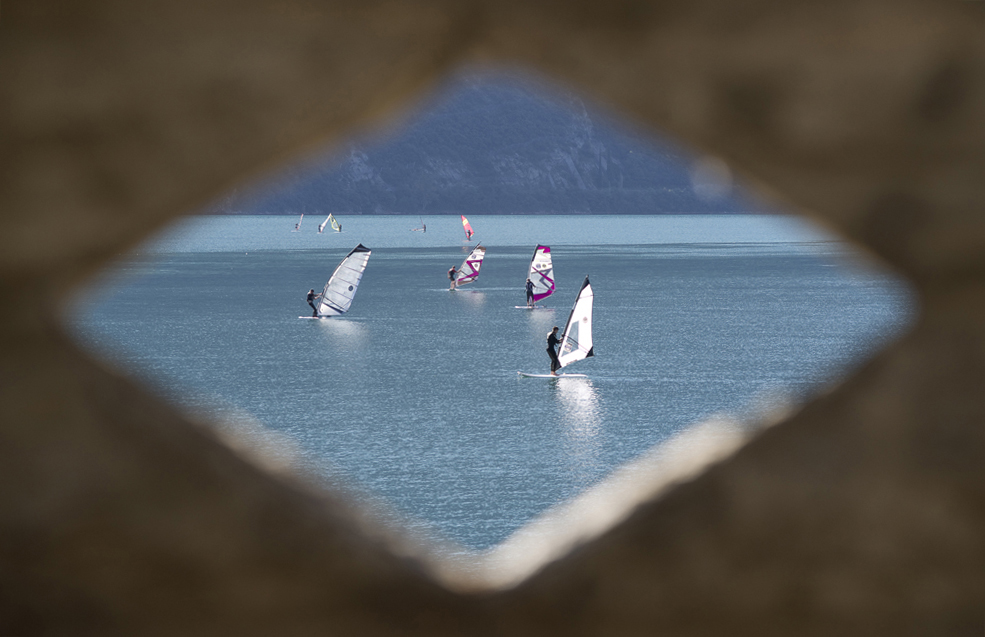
<point>527,375</point>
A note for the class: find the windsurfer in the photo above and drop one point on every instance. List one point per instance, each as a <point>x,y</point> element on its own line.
<point>552,343</point>
<point>311,301</point>
<point>451,277</point>
<point>530,293</point>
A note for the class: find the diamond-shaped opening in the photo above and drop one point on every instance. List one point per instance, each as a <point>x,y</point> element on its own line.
<point>413,395</point>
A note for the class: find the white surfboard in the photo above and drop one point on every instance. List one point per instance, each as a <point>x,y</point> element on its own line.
<point>532,307</point>
<point>527,375</point>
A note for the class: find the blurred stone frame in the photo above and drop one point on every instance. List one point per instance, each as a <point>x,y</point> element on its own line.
<point>862,513</point>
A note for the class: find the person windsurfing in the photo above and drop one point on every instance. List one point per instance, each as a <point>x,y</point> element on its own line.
<point>552,342</point>
<point>451,277</point>
<point>530,293</point>
<point>312,297</point>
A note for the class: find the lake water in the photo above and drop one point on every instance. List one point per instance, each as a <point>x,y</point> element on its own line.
<point>413,395</point>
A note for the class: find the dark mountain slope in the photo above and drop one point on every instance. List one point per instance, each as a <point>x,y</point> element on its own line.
<point>495,144</point>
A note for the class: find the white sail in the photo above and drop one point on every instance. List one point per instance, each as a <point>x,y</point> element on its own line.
<point>576,341</point>
<point>322,225</point>
<point>469,270</point>
<point>297,226</point>
<point>337,295</point>
<point>541,273</point>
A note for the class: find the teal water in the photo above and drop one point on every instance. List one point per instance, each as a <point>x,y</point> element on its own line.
<point>414,396</point>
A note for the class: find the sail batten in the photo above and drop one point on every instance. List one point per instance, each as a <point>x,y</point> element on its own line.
<point>337,296</point>
<point>469,270</point>
<point>576,340</point>
<point>541,273</point>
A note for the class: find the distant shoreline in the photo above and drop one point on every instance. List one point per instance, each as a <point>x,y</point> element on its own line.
<point>478,214</point>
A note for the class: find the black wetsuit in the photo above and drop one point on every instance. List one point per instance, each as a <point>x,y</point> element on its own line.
<point>552,343</point>
<point>311,301</point>
<point>530,292</point>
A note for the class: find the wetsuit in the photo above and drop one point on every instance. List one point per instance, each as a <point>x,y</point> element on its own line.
<point>311,301</point>
<point>530,292</point>
<point>552,342</point>
<point>451,277</point>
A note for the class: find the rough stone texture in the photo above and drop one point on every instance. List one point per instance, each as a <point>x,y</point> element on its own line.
<point>862,514</point>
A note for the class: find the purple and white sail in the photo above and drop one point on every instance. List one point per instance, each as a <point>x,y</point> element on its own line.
<point>541,273</point>
<point>469,270</point>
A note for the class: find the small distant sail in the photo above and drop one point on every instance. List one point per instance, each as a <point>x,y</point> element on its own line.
<point>541,273</point>
<point>576,341</point>
<point>468,229</point>
<point>341,287</point>
<point>297,226</point>
<point>322,225</point>
<point>336,226</point>
<point>469,269</point>
<point>423,227</point>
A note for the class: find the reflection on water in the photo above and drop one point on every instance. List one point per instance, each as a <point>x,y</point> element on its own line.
<point>581,418</point>
<point>345,335</point>
<point>539,324</point>
<point>474,298</point>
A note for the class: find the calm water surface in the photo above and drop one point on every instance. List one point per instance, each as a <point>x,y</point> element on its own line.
<point>414,395</point>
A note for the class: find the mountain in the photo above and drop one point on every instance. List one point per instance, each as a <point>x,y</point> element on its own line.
<point>504,144</point>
